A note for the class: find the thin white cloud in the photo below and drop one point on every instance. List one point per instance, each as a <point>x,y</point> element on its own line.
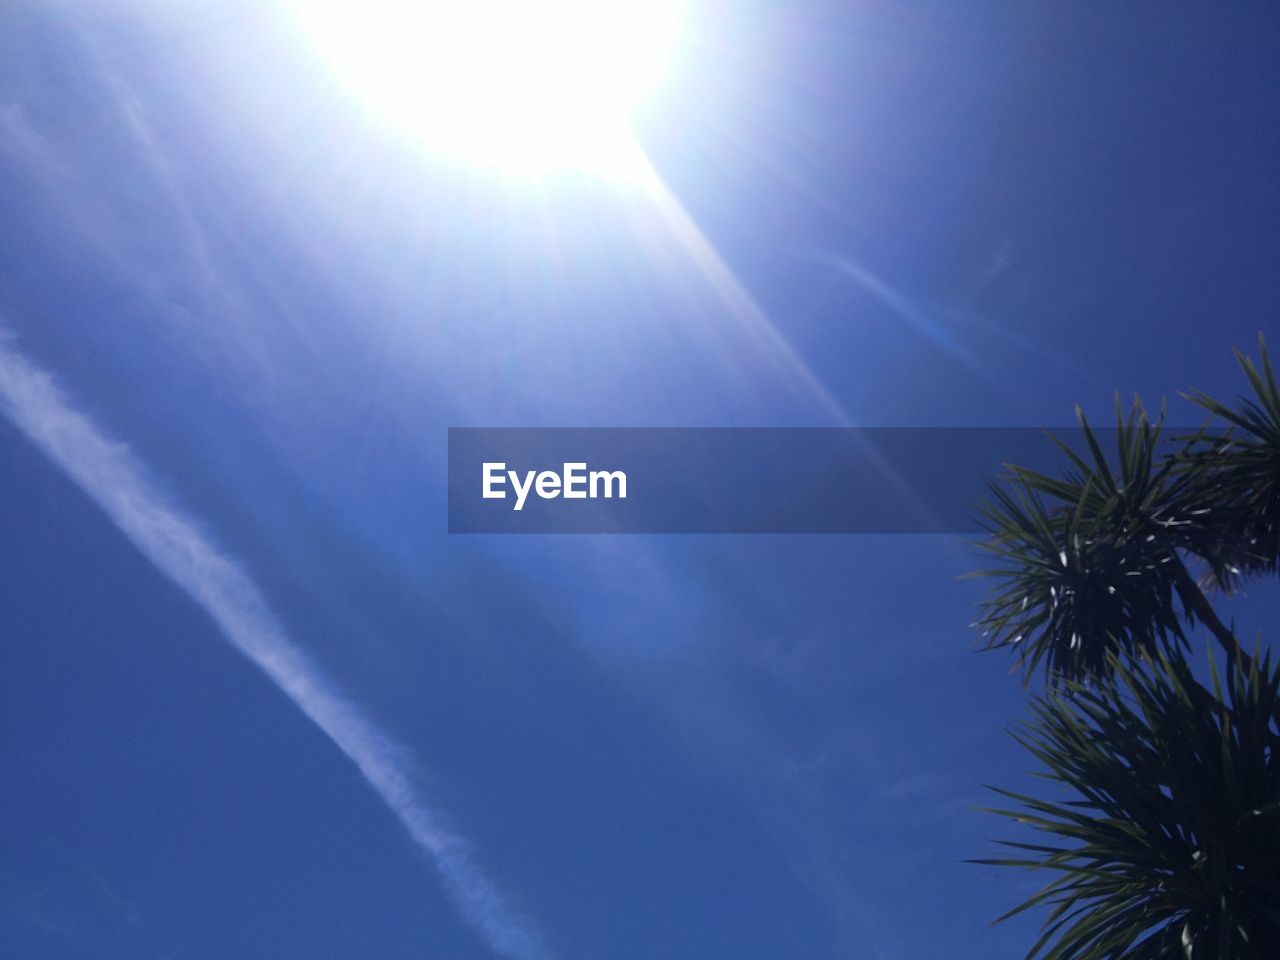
<point>108,472</point>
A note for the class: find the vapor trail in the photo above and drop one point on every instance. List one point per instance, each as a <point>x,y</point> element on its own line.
<point>174,542</point>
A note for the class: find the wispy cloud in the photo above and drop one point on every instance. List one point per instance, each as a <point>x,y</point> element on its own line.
<point>107,471</point>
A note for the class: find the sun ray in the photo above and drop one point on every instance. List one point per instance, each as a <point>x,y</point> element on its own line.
<point>735,297</point>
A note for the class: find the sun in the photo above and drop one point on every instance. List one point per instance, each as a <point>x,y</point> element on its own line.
<point>523,86</point>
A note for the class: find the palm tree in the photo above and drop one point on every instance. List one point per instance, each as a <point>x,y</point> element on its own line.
<point>1094,563</point>
<point>1170,845</point>
<point>1240,472</point>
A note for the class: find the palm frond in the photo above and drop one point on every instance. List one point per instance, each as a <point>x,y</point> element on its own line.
<point>1238,476</point>
<point>1169,845</point>
<point>1087,560</point>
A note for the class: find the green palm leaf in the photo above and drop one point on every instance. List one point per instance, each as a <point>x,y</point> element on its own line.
<point>1169,843</point>
<point>1238,475</point>
<point>1088,562</point>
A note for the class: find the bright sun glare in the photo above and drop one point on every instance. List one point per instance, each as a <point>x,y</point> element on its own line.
<point>524,86</point>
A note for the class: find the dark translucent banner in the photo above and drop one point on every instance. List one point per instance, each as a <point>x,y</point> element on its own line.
<point>736,480</point>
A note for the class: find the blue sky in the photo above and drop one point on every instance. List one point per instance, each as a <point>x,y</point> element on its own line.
<point>256,702</point>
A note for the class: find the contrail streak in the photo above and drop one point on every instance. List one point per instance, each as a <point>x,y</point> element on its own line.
<point>174,542</point>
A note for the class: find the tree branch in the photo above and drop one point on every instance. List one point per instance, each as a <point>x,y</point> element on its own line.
<point>1193,597</point>
<point>1195,600</point>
